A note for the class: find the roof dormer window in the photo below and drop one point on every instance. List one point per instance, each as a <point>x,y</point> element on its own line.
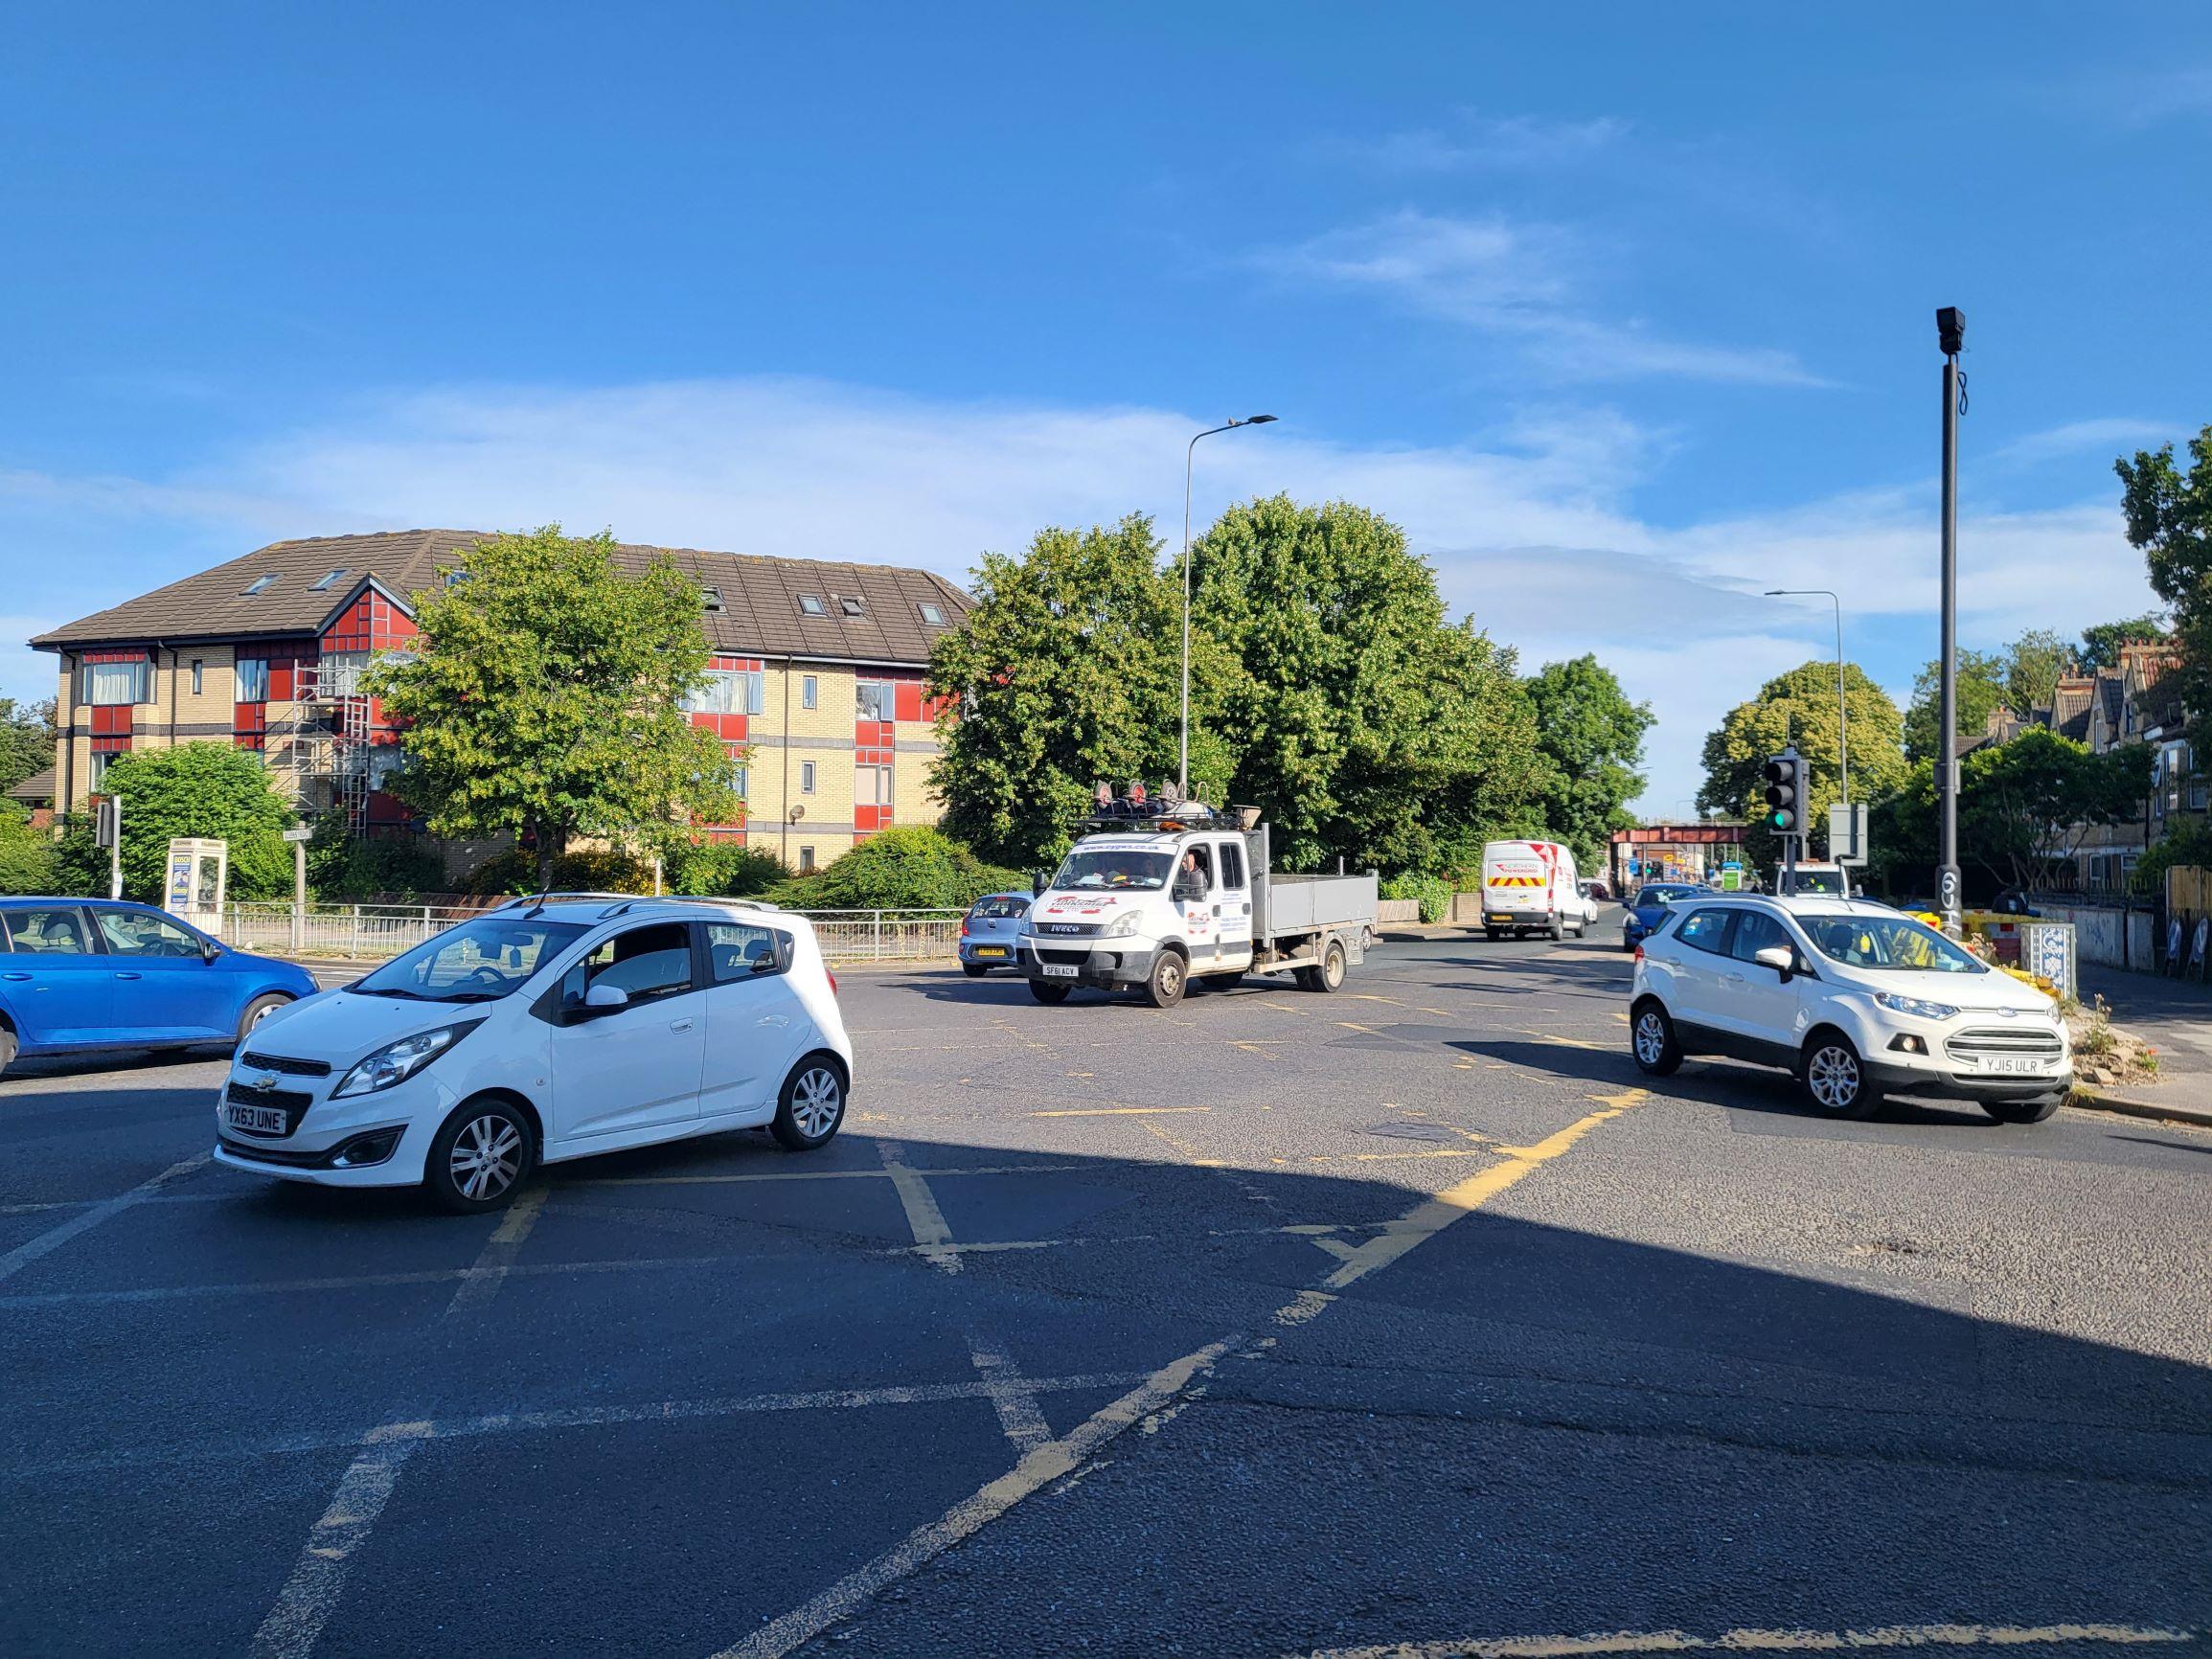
<point>933,615</point>
<point>851,606</point>
<point>811,604</point>
<point>328,580</point>
<point>711,600</point>
<point>259,584</point>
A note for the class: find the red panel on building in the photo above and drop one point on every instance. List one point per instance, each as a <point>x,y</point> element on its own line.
<point>908,698</point>
<point>111,720</point>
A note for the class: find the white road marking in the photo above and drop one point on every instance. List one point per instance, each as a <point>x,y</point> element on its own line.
<point>54,1237</point>
<point>318,1577</point>
<point>1888,1638</point>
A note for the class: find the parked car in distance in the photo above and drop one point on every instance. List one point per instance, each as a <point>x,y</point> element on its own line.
<point>1586,891</point>
<point>1646,909</point>
<point>988,932</point>
<point>80,975</point>
<point>1857,1000</point>
<point>1600,889</point>
<point>542,1032</point>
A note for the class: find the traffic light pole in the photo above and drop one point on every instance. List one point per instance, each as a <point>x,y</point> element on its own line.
<point>1951,327</point>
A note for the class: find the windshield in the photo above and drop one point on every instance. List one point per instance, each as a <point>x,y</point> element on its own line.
<point>1828,881</point>
<point>999,909</point>
<point>1896,943</point>
<point>480,961</point>
<point>1115,867</point>
<point>1661,894</point>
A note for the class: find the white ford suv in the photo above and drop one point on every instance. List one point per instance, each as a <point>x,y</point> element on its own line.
<point>543,1031</point>
<point>1857,999</point>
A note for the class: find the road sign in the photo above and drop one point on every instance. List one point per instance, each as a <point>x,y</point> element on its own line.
<point>301,833</point>
<point>1847,833</point>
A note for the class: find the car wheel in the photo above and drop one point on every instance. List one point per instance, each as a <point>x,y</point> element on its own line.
<point>1051,994</point>
<point>1165,989</point>
<point>258,1009</point>
<point>1835,1078</point>
<point>2023,1111</point>
<point>973,969</point>
<point>1653,1042</point>
<point>1557,932</point>
<point>1327,974</point>
<point>1493,934</point>
<point>812,1105</point>
<point>480,1157</point>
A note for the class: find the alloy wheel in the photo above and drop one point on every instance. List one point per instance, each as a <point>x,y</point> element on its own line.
<point>1651,1037</point>
<point>1831,1077</point>
<point>486,1157</point>
<point>816,1101</point>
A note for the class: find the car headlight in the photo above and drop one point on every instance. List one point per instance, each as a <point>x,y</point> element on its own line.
<point>1119,927</point>
<point>1918,1006</point>
<point>395,1063</point>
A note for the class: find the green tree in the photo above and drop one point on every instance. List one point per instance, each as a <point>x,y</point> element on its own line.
<point>209,789</point>
<point>1363,723</point>
<point>28,859</point>
<point>1983,687</point>
<point>1594,738</point>
<point>1065,674</point>
<point>914,866</point>
<point>26,740</point>
<point>544,698</point>
<point>2034,665</point>
<point>2100,646</point>
<point>2025,807</point>
<point>2169,516</point>
<point>1799,707</point>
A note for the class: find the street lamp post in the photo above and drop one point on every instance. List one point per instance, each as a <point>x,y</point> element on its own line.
<point>1842,721</point>
<point>1950,336</point>
<point>1190,453</point>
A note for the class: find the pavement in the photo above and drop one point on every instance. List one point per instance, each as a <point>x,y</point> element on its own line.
<point>2173,1016</point>
<point>1406,1320</point>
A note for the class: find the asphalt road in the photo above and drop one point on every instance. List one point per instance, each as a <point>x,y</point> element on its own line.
<point>1278,1324</point>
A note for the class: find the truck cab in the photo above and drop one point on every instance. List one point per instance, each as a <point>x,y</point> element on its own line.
<point>1152,906</point>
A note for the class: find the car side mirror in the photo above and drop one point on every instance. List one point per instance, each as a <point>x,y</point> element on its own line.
<point>1038,884</point>
<point>209,950</point>
<point>1778,957</point>
<point>600,1000</point>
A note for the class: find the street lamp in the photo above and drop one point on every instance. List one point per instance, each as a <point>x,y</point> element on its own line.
<point>1842,721</point>
<point>1184,763</point>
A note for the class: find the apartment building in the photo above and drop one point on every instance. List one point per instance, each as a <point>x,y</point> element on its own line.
<point>816,685</point>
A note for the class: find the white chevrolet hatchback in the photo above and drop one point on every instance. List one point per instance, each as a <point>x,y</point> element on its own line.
<point>1857,999</point>
<point>540,1032</point>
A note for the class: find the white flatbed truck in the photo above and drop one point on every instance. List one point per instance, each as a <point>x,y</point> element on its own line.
<point>1159,903</point>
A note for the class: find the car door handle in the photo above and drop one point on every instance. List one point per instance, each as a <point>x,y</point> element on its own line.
<point>680,1025</point>
<point>119,974</point>
<point>14,976</point>
<point>775,1019</point>
<point>1731,979</point>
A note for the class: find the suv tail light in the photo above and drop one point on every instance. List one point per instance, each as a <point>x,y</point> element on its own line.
<point>1639,951</point>
<point>832,978</point>
<point>963,927</point>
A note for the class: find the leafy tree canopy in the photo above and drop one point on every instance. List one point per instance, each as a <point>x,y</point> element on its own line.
<point>204,789</point>
<point>2034,665</point>
<point>1799,707</point>
<point>26,740</point>
<point>2100,646</point>
<point>2169,515</point>
<point>1594,738</point>
<point>544,698</point>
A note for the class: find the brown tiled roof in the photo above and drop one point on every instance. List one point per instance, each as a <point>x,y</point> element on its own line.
<point>37,788</point>
<point>2070,709</point>
<point>2111,691</point>
<point>759,614</point>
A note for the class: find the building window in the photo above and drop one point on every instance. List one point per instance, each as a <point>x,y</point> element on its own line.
<point>805,776</point>
<point>811,604</point>
<point>253,680</point>
<point>873,700</point>
<point>805,860</point>
<point>851,606</point>
<point>871,785</point>
<point>107,684</point>
<point>810,691</point>
<point>101,760</point>
<point>710,599</point>
<point>727,691</point>
<point>260,585</point>
<point>933,616</point>
<point>325,583</point>
<point>199,676</point>
<point>740,779</point>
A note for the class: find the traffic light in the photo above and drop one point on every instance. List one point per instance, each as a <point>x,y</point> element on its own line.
<point>1786,793</point>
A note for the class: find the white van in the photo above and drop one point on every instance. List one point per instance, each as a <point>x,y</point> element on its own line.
<point>1529,887</point>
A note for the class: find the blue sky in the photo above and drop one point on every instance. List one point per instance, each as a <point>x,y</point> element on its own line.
<point>1625,320</point>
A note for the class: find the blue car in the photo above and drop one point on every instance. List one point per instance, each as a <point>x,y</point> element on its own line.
<point>78,975</point>
<point>1646,911</point>
<point>988,931</point>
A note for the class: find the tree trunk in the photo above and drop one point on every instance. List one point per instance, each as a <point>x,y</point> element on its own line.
<point>545,858</point>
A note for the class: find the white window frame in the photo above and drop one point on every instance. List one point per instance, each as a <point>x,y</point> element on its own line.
<point>253,677</point>
<point>880,790</point>
<point>805,860</point>
<point>888,702</point>
<point>810,691</point>
<point>135,677</point>
<point>727,691</point>
<point>805,776</point>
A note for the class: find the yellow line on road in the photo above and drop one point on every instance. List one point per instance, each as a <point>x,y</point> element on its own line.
<point>932,1237</point>
<point>1886,1638</point>
<point>1117,1111</point>
<point>1428,1219</point>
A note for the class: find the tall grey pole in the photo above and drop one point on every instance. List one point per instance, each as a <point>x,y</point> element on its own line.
<point>1190,453</point>
<point>1951,327</point>
<point>1842,718</point>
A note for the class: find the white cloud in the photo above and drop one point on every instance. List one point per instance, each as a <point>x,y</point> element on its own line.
<point>1530,530</point>
<point>2079,436</point>
<point>1513,279</point>
<point>1478,142</point>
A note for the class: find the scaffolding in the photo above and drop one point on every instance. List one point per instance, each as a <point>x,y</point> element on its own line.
<point>322,739</point>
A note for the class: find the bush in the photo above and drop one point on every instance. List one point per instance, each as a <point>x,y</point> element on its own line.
<point>2187,843</point>
<point>723,870</point>
<point>584,872</point>
<point>1433,892</point>
<point>914,868</point>
<point>342,865</point>
<point>29,862</point>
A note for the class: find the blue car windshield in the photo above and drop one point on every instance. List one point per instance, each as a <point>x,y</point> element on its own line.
<point>480,961</point>
<point>1661,895</point>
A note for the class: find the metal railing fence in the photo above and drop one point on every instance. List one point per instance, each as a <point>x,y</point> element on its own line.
<point>376,931</point>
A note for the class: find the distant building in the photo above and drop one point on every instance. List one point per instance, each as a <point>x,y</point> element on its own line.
<point>818,667</point>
